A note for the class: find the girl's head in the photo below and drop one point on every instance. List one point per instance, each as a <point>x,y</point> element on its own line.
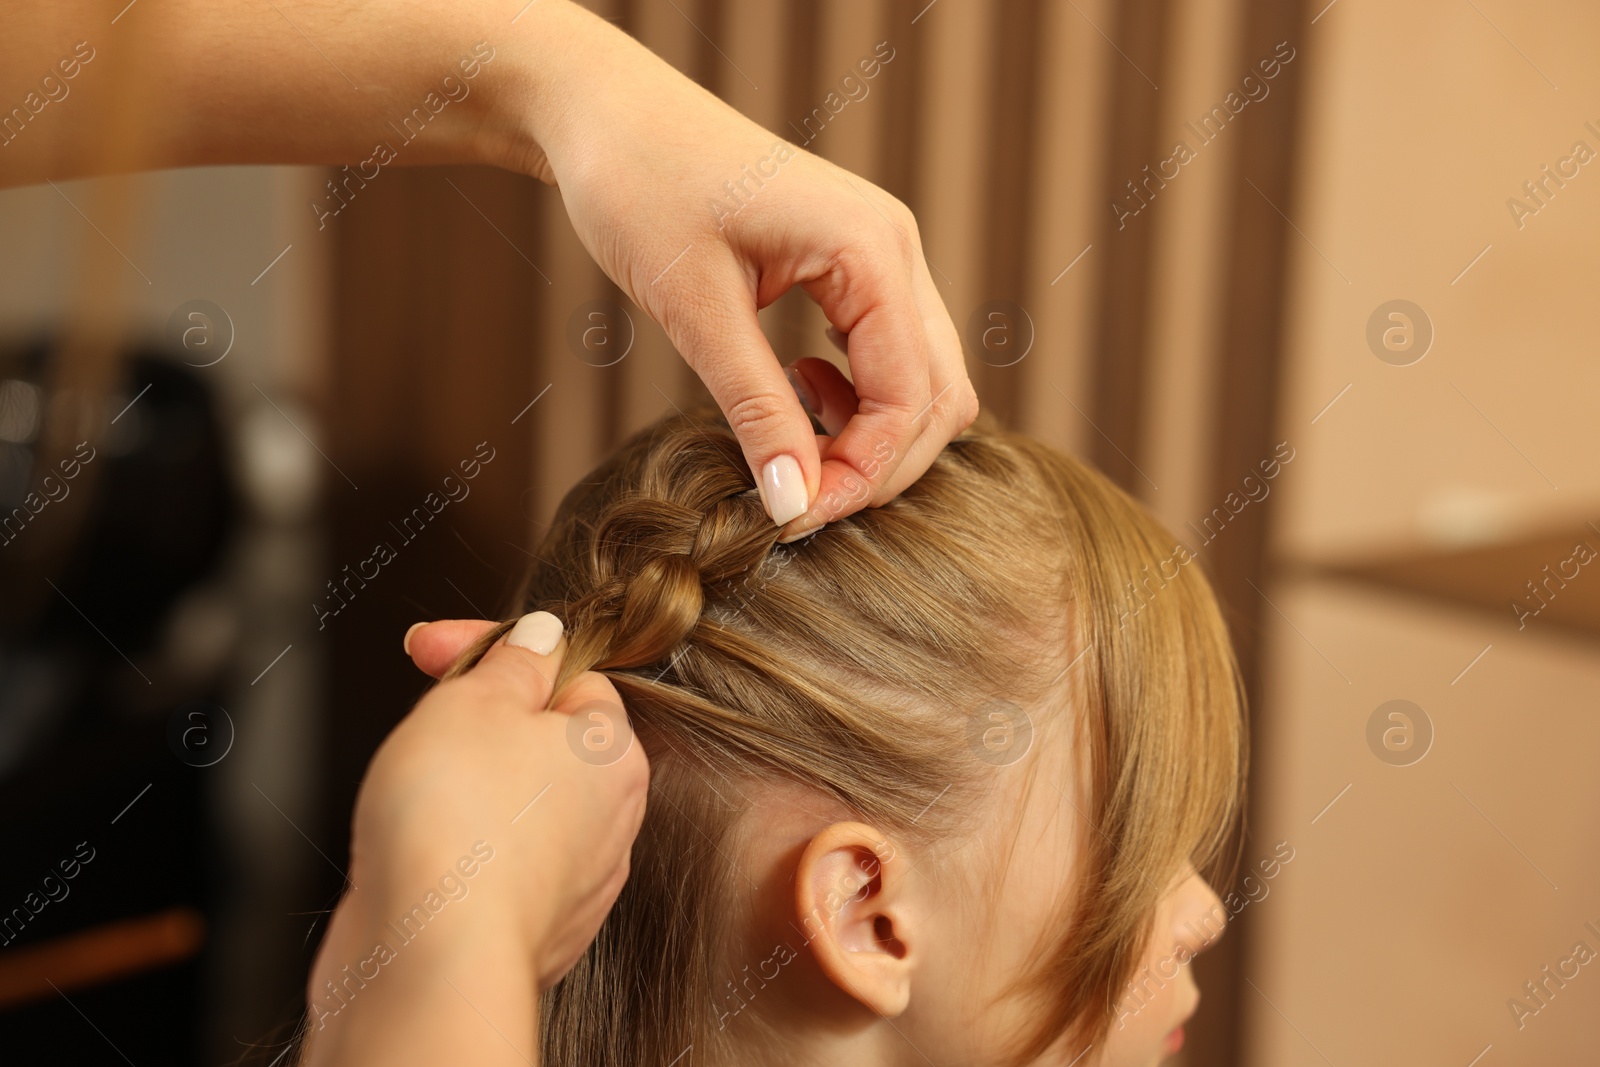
<point>930,785</point>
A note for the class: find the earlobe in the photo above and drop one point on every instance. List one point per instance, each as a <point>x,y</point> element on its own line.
<point>852,899</point>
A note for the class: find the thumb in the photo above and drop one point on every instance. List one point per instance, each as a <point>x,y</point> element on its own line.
<point>523,665</point>
<point>722,340</point>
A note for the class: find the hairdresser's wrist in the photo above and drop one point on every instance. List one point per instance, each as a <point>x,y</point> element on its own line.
<point>570,70</point>
<point>406,986</point>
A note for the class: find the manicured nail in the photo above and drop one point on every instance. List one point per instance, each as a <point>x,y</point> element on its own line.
<point>801,389</point>
<point>784,486</point>
<point>405,642</point>
<point>537,631</point>
<point>804,531</point>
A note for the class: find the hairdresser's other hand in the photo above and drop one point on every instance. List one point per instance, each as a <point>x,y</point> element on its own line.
<point>702,217</point>
<point>478,771</point>
<point>435,646</point>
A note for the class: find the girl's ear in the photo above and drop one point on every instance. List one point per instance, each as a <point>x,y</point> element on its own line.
<point>853,900</point>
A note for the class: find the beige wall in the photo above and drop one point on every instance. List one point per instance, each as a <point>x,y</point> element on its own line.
<point>1406,919</point>
<point>1421,122</point>
<point>1428,894</point>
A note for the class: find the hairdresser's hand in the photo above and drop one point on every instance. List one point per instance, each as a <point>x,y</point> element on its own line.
<point>702,217</point>
<point>479,801</point>
<point>697,213</point>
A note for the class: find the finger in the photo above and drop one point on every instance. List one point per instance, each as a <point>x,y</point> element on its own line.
<point>722,340</point>
<point>825,392</point>
<point>869,296</point>
<point>522,666</point>
<point>952,403</point>
<point>434,646</point>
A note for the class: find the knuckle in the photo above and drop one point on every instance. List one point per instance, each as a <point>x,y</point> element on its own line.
<point>890,208</point>
<point>869,259</point>
<point>904,222</point>
<point>966,407</point>
<point>756,416</point>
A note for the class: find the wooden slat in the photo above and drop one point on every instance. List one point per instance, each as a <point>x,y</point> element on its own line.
<point>654,377</point>
<point>957,52</point>
<point>754,40</point>
<point>1008,219</point>
<point>1191,223</point>
<point>1065,213</point>
<point>899,145</point>
<point>849,30</point>
<point>1245,402</point>
<point>572,422</point>
<point>1122,326</point>
<point>794,313</point>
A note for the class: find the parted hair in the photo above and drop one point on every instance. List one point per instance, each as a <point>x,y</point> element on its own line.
<point>859,663</point>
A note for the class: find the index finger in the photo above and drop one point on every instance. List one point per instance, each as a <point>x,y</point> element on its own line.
<point>435,646</point>
<point>909,377</point>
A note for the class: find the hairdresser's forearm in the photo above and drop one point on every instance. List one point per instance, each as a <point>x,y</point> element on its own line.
<point>464,991</point>
<point>190,82</point>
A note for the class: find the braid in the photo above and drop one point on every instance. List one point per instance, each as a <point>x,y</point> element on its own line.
<point>631,577</point>
<point>645,562</point>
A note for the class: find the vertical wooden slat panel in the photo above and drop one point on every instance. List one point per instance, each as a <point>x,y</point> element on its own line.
<point>1008,225</point>
<point>955,39</point>
<point>1190,221</point>
<point>755,43</point>
<point>899,144</point>
<point>846,33</point>
<point>653,371</point>
<point>709,65</point>
<point>1066,208</point>
<point>802,37</point>
<point>1122,325</point>
<point>1245,403</point>
<point>583,409</point>
<point>849,30</point>
<point>568,435</point>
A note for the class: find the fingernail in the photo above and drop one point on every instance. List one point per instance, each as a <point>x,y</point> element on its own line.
<point>405,642</point>
<point>801,389</point>
<point>538,631</point>
<point>785,489</point>
<point>806,531</point>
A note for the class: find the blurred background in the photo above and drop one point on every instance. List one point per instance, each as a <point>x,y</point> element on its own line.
<point>1348,243</point>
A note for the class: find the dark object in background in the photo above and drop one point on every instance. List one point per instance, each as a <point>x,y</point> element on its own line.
<point>108,847</point>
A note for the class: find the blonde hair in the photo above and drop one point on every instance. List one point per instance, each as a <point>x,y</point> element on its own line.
<point>859,663</point>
